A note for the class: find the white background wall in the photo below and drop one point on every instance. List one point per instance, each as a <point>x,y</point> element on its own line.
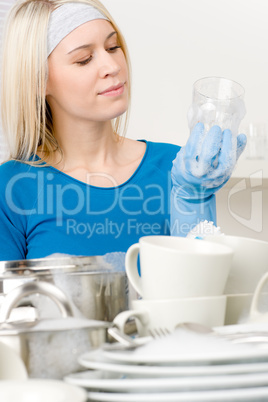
<point>173,43</point>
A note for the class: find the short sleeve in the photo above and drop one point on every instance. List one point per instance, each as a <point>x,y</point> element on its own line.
<point>12,240</point>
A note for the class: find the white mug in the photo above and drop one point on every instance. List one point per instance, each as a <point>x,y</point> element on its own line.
<point>175,267</point>
<point>158,316</point>
<point>248,265</point>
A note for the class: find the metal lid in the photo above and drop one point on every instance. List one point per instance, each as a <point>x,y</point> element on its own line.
<point>51,325</point>
<point>66,322</point>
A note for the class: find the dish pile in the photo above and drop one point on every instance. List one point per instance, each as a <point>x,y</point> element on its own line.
<point>182,366</point>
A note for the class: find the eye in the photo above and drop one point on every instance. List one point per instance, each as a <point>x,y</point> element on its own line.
<point>114,48</point>
<point>84,62</point>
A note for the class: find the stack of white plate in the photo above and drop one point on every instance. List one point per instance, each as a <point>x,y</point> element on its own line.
<point>180,367</point>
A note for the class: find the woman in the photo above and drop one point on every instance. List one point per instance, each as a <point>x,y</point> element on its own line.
<point>73,183</point>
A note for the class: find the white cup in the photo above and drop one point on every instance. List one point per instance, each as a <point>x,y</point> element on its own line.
<point>154,316</point>
<point>249,263</point>
<point>175,267</point>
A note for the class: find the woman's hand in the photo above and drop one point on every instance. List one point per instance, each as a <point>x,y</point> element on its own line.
<point>205,164</point>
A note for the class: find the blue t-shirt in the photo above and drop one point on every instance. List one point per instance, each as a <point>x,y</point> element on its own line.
<point>44,211</point>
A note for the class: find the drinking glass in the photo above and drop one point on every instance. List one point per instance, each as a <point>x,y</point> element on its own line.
<point>217,101</point>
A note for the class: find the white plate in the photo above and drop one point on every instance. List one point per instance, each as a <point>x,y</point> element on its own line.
<point>242,328</point>
<point>41,391</point>
<point>96,360</point>
<point>242,395</point>
<point>219,357</point>
<point>194,349</point>
<point>100,380</point>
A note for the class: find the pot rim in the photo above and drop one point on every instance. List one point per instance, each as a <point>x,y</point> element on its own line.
<point>50,266</point>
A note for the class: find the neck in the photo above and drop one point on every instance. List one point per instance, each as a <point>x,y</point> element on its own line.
<point>88,145</point>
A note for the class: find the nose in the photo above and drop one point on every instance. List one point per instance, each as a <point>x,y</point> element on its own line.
<point>109,66</point>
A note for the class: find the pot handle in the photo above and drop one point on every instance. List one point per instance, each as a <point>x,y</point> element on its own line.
<point>47,289</point>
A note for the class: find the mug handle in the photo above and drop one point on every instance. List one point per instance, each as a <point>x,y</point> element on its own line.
<point>132,268</point>
<point>254,313</point>
<point>121,319</point>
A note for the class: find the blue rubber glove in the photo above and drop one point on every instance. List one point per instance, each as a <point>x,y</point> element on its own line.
<point>200,169</point>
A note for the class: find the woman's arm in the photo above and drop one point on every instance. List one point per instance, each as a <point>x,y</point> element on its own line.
<point>199,170</point>
<point>186,214</point>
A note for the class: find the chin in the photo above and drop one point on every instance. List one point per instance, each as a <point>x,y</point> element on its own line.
<point>118,112</point>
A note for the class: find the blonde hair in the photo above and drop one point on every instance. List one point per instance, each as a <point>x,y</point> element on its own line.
<point>26,116</point>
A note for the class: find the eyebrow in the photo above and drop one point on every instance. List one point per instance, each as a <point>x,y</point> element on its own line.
<point>90,44</point>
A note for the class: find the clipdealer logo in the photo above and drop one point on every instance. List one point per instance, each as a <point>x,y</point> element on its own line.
<point>255,220</point>
<point>63,199</point>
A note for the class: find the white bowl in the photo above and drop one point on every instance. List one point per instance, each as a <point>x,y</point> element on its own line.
<point>237,308</point>
<point>41,391</point>
<point>11,365</point>
<point>151,315</point>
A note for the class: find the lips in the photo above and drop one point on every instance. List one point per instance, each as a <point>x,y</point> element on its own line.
<point>114,90</point>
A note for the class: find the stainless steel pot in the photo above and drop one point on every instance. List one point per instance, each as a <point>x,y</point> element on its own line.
<point>96,288</point>
<point>49,348</point>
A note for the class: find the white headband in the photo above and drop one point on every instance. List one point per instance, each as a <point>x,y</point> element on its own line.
<point>66,18</point>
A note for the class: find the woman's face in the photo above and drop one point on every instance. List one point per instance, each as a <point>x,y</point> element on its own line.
<point>88,75</point>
